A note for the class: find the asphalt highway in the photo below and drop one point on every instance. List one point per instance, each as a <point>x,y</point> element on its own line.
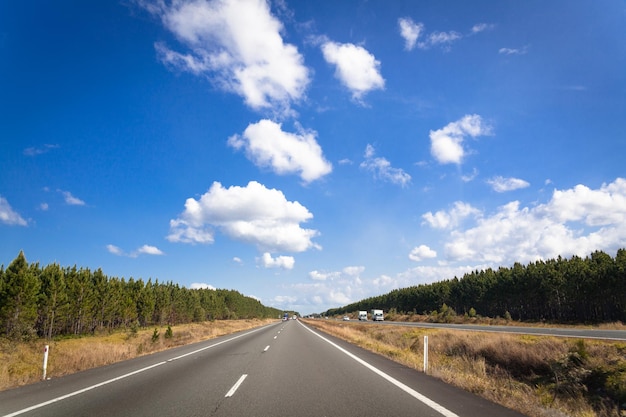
<point>283,369</point>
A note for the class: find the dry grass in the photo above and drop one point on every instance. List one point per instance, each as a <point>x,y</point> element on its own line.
<point>22,363</point>
<point>537,376</point>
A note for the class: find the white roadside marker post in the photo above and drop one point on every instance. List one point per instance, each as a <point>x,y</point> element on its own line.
<point>425,354</point>
<point>45,361</point>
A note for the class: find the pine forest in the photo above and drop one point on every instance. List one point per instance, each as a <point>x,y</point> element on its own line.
<point>53,301</point>
<point>575,290</point>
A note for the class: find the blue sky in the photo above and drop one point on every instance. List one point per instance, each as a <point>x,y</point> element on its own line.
<point>308,153</point>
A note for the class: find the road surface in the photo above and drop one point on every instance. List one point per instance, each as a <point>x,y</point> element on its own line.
<point>283,369</point>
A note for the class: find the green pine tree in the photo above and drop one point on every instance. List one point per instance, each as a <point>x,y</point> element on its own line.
<point>18,300</point>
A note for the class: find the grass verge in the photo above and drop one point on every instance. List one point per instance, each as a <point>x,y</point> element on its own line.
<point>536,375</point>
<point>22,363</point>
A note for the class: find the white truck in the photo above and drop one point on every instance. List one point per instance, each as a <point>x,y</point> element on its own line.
<point>363,315</point>
<point>377,315</point>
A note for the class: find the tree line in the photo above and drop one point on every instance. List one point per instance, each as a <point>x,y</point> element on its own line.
<point>50,301</point>
<point>589,290</point>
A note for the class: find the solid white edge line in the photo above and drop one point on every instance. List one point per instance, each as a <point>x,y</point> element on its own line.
<point>236,386</point>
<point>72,394</point>
<point>432,404</point>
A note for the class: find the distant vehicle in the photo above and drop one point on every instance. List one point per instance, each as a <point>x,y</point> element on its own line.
<point>285,316</point>
<point>377,315</point>
<point>295,317</point>
<point>363,315</point>
<point>346,318</point>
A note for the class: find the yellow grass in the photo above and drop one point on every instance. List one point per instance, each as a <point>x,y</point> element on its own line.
<point>22,363</point>
<point>502,368</point>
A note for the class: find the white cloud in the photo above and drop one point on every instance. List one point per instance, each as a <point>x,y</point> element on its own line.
<point>143,250</point>
<point>8,215</point>
<point>501,184</point>
<point>284,262</point>
<point>267,145</point>
<point>356,68</point>
<point>149,250</point>
<point>382,168</point>
<point>481,27</point>
<point>115,250</point>
<point>576,221</point>
<point>252,214</point>
<point>323,276</point>
<point>201,286</point>
<point>410,31</point>
<point>442,38</point>
<point>470,177</point>
<point>238,44</point>
<point>70,199</point>
<point>34,151</point>
<point>353,270</point>
<point>422,252</point>
<point>327,289</point>
<point>452,218</point>
<point>513,51</point>
<point>446,144</point>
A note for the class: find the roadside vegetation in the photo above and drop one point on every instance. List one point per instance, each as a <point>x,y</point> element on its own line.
<point>21,362</point>
<point>536,375</point>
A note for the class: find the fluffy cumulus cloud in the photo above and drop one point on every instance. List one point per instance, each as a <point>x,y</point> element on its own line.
<point>382,168</point>
<point>267,145</point>
<point>422,252</point>
<point>501,184</point>
<point>149,250</point>
<point>252,214</point>
<point>237,44</point>
<point>8,215</point>
<point>451,218</point>
<point>284,262</point>
<point>356,68</point>
<point>576,221</point>
<point>446,144</point>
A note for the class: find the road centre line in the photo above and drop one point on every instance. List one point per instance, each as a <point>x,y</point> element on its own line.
<point>109,381</point>
<point>236,386</point>
<point>266,348</point>
<point>427,401</point>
